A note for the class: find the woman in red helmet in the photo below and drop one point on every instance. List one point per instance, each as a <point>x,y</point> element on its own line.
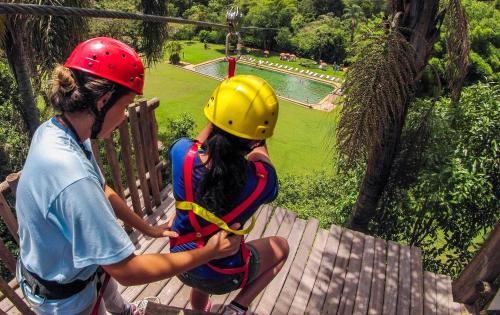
<point>67,214</point>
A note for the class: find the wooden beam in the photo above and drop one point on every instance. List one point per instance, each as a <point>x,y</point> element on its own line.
<point>129,170</point>
<point>12,179</point>
<point>145,127</point>
<point>139,156</point>
<point>485,266</point>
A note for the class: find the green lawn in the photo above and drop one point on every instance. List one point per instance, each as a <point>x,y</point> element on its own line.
<point>301,143</point>
<point>193,52</point>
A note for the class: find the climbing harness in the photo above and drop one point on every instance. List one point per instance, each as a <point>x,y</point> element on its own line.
<point>216,223</point>
<point>101,289</point>
<point>233,18</point>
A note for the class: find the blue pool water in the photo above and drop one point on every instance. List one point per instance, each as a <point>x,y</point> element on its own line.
<point>287,85</point>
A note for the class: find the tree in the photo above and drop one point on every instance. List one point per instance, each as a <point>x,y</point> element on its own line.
<point>380,86</point>
<point>443,194</point>
<point>325,38</point>
<point>354,13</point>
<point>173,49</point>
<point>33,44</point>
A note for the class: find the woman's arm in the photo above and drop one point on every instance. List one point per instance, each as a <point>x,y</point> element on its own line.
<point>260,154</point>
<point>124,213</point>
<point>205,133</point>
<point>136,270</point>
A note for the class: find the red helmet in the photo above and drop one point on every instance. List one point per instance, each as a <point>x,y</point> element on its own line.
<point>110,59</point>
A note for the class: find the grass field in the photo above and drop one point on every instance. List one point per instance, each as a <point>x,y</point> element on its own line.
<point>302,140</point>
<point>194,53</point>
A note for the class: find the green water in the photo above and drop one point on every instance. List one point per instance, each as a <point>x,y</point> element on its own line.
<point>287,85</point>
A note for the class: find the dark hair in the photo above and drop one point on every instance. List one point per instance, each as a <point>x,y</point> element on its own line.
<point>76,91</point>
<point>227,170</point>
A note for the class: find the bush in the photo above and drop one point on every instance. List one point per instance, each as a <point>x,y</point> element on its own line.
<point>179,127</point>
<point>174,58</point>
<point>320,196</point>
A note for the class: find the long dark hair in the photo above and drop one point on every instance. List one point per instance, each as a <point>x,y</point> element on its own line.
<point>227,170</point>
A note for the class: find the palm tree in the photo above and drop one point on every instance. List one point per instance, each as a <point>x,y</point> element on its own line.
<point>355,13</point>
<point>383,82</point>
<point>33,45</point>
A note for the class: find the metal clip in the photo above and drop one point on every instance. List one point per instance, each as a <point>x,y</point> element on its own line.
<point>233,18</point>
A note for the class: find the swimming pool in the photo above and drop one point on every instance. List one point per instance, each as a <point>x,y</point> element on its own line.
<point>286,85</point>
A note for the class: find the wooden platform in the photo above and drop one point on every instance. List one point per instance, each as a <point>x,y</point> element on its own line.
<point>335,271</point>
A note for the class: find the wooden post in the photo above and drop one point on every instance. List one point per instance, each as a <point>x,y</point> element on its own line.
<point>146,137</point>
<point>484,267</point>
<point>8,217</point>
<point>97,154</point>
<point>115,166</point>
<point>129,172</point>
<point>139,157</point>
<point>156,149</point>
<point>12,179</point>
<point>14,298</point>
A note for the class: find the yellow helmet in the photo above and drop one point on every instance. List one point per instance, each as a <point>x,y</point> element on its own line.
<point>245,106</point>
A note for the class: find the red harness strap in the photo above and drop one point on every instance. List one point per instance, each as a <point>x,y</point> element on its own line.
<point>201,232</point>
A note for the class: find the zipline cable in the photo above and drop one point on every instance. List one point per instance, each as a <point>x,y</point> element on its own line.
<point>35,9</point>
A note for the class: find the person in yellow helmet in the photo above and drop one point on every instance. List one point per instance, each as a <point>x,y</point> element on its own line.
<point>220,180</point>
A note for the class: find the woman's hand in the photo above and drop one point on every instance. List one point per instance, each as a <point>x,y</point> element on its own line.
<point>163,230</point>
<point>222,245</point>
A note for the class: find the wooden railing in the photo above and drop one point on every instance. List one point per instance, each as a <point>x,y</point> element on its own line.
<point>138,161</point>
<point>479,281</point>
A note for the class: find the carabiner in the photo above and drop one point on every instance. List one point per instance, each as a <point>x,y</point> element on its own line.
<point>233,18</point>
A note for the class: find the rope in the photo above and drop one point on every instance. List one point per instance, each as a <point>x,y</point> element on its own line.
<point>35,9</point>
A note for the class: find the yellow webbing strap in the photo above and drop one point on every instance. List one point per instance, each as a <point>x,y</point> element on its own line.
<point>210,217</point>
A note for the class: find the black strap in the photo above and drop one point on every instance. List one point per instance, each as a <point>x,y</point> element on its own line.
<point>53,290</point>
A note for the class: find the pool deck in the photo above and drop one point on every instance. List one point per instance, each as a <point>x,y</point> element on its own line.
<point>326,104</point>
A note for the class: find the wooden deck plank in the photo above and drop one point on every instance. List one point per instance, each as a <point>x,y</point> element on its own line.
<point>282,229</point>
<point>442,298</point>
<point>365,278</point>
<point>391,279</point>
<point>311,270</point>
<point>318,294</point>
<point>169,291</point>
<point>336,285</point>
<point>181,299</point>
<point>297,269</point>
<point>263,217</point>
<point>272,291</point>
<point>160,245</point>
<point>378,279</point>
<point>404,281</point>
<point>417,282</point>
<point>144,245</point>
<point>454,308</point>
<point>429,293</point>
<point>346,305</point>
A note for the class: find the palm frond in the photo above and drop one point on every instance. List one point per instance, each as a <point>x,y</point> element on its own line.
<point>457,46</point>
<point>377,88</point>
<point>154,34</point>
<point>52,38</point>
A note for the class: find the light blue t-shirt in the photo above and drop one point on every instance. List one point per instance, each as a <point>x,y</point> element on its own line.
<point>67,227</point>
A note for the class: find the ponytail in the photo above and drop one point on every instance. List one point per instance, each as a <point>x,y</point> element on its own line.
<point>227,170</point>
